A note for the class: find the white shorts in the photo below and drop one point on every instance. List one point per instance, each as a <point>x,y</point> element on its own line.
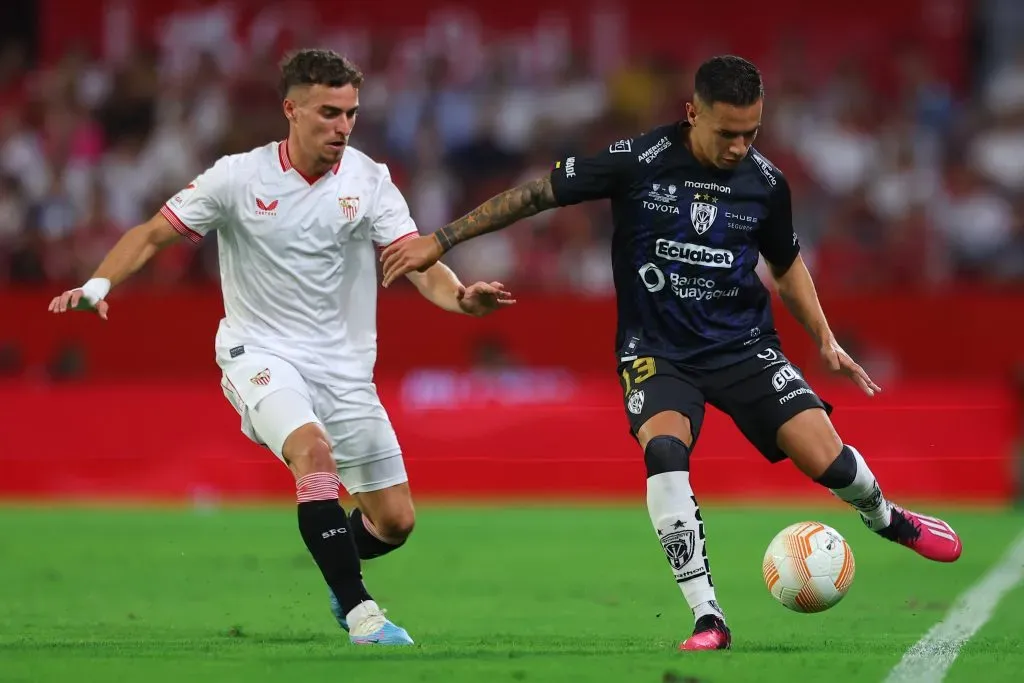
<point>274,399</point>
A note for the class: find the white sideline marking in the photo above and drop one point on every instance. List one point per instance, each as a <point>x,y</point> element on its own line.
<point>930,658</point>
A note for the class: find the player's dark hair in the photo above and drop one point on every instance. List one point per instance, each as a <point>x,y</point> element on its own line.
<point>317,67</point>
<point>730,80</point>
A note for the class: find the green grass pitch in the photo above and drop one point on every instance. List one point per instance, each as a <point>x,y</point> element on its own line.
<point>490,594</point>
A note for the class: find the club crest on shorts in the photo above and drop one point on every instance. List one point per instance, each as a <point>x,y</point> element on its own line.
<point>702,215</point>
<point>349,206</point>
<point>261,378</point>
<point>678,544</point>
<point>635,402</point>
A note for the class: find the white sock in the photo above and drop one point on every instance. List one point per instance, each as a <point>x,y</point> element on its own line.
<point>358,613</point>
<point>865,495</point>
<point>676,518</point>
<point>706,608</point>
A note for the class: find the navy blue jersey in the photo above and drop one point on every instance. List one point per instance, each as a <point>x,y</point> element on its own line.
<point>687,240</point>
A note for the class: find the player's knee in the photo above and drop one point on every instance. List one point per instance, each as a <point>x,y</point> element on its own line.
<point>842,472</point>
<point>306,450</point>
<point>666,454</point>
<point>396,525</point>
<point>666,423</point>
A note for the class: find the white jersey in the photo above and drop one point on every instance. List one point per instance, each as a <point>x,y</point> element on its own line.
<point>297,258</point>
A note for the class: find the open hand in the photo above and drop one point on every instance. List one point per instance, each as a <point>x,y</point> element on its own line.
<point>75,300</point>
<point>482,298</point>
<point>840,362</point>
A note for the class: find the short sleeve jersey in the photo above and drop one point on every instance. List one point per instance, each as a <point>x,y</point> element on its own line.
<point>686,242</point>
<point>297,257</point>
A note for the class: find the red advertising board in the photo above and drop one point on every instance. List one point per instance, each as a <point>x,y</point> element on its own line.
<point>554,437</point>
<point>169,333</point>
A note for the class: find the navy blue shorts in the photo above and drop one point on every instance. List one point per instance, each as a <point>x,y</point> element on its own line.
<point>759,393</point>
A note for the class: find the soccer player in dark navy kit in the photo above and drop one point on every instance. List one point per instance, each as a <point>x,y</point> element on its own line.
<point>694,206</point>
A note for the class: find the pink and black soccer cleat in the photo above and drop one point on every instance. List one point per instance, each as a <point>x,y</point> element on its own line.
<point>710,633</point>
<point>927,536</point>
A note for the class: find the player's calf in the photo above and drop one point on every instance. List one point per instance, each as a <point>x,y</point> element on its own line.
<point>323,524</point>
<point>811,442</point>
<point>375,540</point>
<point>383,521</point>
<point>380,525</point>
<point>849,478</point>
<point>371,542</point>
<point>677,520</point>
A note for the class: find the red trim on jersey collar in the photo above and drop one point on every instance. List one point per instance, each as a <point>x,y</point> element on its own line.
<point>286,163</point>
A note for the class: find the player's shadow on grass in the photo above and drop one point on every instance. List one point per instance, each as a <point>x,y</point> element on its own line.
<point>310,646</point>
<point>511,647</point>
<point>775,648</point>
<point>521,651</point>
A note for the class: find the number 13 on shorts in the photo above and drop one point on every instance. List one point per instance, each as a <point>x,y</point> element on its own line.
<point>638,371</point>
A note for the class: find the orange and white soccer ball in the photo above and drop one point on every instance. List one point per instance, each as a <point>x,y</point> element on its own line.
<point>808,567</point>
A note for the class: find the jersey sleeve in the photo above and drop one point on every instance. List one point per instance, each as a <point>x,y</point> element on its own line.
<point>390,218</point>
<point>578,179</point>
<point>200,207</point>
<point>776,238</point>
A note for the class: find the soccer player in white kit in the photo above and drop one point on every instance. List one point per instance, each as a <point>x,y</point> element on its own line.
<point>297,229</point>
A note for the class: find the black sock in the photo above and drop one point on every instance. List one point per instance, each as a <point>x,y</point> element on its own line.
<point>841,472</point>
<point>325,529</point>
<point>369,545</point>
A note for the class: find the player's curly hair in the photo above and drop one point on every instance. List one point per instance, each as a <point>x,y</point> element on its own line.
<point>730,80</point>
<point>317,67</point>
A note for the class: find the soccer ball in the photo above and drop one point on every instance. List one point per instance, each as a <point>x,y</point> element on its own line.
<point>808,567</point>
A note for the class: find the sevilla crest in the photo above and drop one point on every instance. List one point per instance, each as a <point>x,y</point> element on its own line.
<point>261,378</point>
<point>349,206</point>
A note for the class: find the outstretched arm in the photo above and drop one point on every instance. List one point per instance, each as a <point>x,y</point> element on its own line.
<point>780,247</point>
<point>440,286</point>
<point>135,248</point>
<point>191,213</point>
<point>796,289</point>
<point>573,180</point>
<point>132,251</point>
<point>499,212</point>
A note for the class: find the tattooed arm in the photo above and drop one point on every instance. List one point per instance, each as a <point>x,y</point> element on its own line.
<point>572,180</point>
<point>499,212</point>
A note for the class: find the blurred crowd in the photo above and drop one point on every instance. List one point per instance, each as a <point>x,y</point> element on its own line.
<point>914,189</point>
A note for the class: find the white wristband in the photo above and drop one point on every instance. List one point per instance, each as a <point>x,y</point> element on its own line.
<point>95,289</point>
